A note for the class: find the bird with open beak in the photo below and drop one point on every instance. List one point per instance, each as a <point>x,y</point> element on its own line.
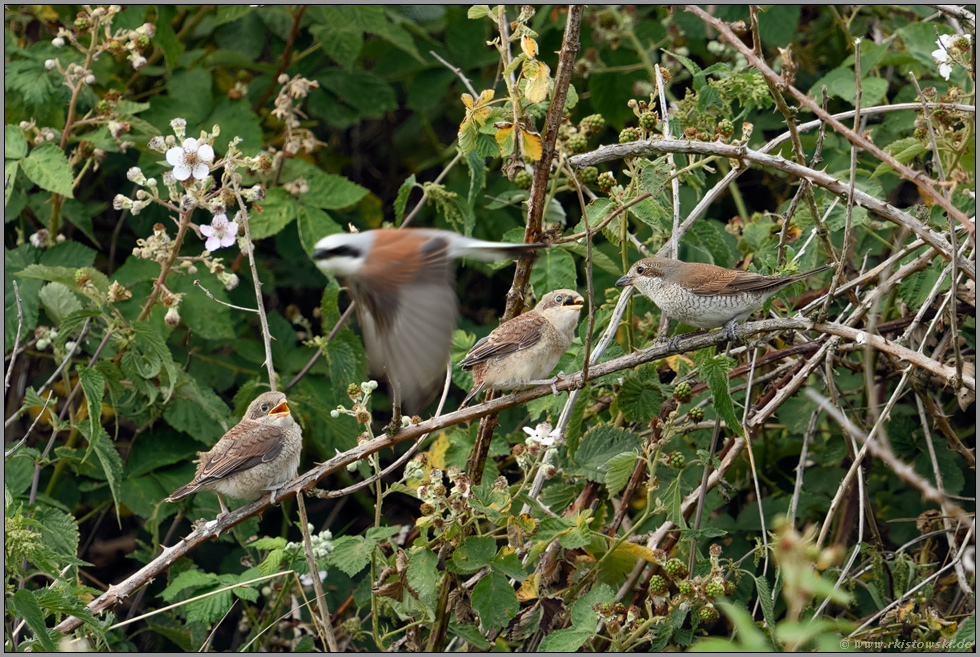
<point>703,295</point>
<point>522,351</point>
<point>400,280</point>
<point>259,454</point>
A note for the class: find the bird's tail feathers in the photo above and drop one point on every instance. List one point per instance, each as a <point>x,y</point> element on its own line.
<point>490,251</point>
<point>471,394</point>
<point>183,492</point>
<point>806,274</point>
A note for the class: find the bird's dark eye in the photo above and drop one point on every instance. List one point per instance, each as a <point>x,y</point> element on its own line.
<point>640,269</point>
<point>558,299</point>
<point>265,408</point>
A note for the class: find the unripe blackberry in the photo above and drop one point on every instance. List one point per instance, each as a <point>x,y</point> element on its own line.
<point>606,180</point>
<point>708,613</point>
<point>725,129</point>
<point>714,550</point>
<point>685,588</point>
<point>676,460</point>
<point>696,414</point>
<point>682,392</point>
<point>675,568</point>
<point>592,123</point>
<point>577,143</point>
<point>628,134</point>
<point>690,132</point>
<point>588,175</point>
<point>523,179</point>
<point>648,120</point>
<point>714,589</point>
<point>658,584</point>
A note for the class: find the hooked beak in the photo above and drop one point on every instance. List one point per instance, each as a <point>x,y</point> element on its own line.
<point>624,281</point>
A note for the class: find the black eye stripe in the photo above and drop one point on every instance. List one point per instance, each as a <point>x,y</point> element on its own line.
<point>343,250</point>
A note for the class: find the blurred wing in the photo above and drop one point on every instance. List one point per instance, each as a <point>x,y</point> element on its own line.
<point>519,333</point>
<point>407,317</point>
<point>247,445</point>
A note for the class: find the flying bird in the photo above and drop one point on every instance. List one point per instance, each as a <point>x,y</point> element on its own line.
<point>705,296</point>
<point>259,454</point>
<point>400,280</point>
<point>524,350</point>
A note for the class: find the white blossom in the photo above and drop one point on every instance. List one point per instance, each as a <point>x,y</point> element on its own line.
<point>542,434</point>
<point>220,233</point>
<point>191,159</point>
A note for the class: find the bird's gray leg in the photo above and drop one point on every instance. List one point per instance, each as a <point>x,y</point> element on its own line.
<point>224,509</point>
<point>548,382</point>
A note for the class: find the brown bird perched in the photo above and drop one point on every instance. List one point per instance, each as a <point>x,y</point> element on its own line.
<point>406,305</point>
<point>702,295</point>
<point>524,350</point>
<point>259,454</point>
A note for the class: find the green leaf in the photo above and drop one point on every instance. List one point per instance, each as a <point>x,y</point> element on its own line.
<point>474,553</point>
<point>965,639</point>
<point>13,261</point>
<point>768,610</point>
<point>507,564</point>
<point>401,200</point>
<point>600,444</point>
<point>273,562</point>
<point>59,531</point>
<point>27,608</point>
<point>351,554</point>
<point>229,13</point>
<point>66,276</point>
<point>711,237</point>
<point>714,372</point>
<point>618,470</point>
<point>199,412</point>
<point>424,578</point>
<point>189,579</point>
<point>58,301</point>
<point>48,168</point>
<point>342,42</point>
<point>554,269</point>
<point>327,191</point>
<point>108,457</point>
<point>470,634</point>
<point>61,601</point>
<point>314,224</point>
<point>165,37</point>
<point>153,344</point>
<point>205,317</point>
<point>369,94</point>
<point>494,601</point>
<point>14,143</point>
<point>278,210</point>
<point>639,397</point>
<point>267,543</point>
<point>93,385</point>
<point>583,625</point>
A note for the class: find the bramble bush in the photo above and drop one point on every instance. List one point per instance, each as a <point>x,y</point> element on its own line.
<point>168,170</point>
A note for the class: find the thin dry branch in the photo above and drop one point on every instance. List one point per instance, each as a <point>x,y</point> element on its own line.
<point>819,178</point>
<point>925,183</point>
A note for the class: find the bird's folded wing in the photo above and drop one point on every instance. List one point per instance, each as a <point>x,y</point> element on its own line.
<point>725,281</point>
<point>249,444</point>
<point>519,333</point>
